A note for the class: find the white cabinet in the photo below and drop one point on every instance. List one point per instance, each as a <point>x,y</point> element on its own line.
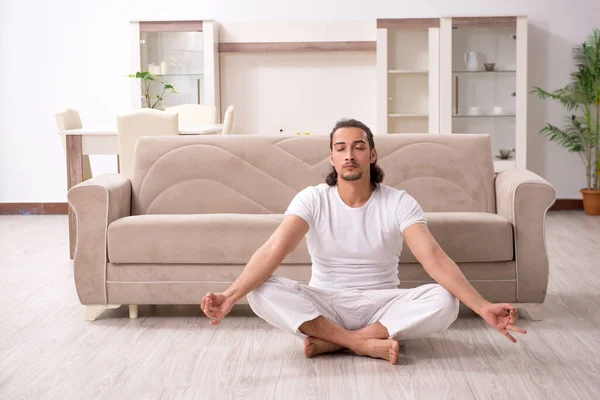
<point>480,98</point>
<point>433,78</point>
<point>182,53</point>
<point>407,76</point>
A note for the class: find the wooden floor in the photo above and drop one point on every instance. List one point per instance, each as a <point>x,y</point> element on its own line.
<point>47,351</point>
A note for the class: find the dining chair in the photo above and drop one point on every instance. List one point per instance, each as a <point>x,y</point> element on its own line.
<point>194,114</point>
<point>228,121</point>
<point>67,120</point>
<point>142,122</point>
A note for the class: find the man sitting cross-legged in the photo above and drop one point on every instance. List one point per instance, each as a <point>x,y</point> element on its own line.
<point>355,228</point>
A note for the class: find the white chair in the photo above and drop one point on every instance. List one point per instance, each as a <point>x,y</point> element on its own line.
<point>66,120</point>
<point>228,121</point>
<point>194,114</point>
<point>143,122</point>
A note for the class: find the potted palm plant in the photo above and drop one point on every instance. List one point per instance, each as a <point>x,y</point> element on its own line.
<point>581,97</point>
<point>146,81</point>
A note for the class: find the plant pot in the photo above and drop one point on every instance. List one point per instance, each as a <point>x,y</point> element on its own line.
<point>591,201</point>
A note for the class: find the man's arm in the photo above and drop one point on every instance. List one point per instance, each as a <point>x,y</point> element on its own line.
<point>441,268</point>
<point>268,257</point>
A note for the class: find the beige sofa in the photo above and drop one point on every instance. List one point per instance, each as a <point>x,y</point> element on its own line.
<point>197,208</point>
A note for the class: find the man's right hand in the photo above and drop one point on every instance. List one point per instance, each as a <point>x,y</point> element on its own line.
<point>216,306</point>
<point>261,266</point>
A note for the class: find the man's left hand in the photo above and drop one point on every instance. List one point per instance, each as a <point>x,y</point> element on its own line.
<point>502,317</point>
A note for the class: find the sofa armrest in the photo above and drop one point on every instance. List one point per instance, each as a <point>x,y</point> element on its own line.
<point>96,202</point>
<point>524,198</point>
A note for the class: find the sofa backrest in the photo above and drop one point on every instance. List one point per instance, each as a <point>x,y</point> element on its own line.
<point>260,174</point>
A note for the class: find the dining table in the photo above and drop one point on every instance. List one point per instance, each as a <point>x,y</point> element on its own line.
<point>103,140</point>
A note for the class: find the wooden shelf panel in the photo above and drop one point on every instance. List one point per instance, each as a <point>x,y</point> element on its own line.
<point>404,23</point>
<point>484,22</point>
<point>171,26</point>
<point>265,47</point>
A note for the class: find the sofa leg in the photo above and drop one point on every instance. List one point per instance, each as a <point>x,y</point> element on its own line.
<point>532,311</point>
<point>92,311</point>
<point>133,311</point>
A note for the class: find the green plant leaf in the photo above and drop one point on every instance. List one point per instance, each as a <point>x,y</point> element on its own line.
<point>566,96</point>
<point>566,139</point>
<point>147,78</point>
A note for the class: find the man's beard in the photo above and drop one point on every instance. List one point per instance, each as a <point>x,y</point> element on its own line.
<point>351,176</point>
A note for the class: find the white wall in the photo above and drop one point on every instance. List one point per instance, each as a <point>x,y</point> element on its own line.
<point>320,88</point>
<point>294,92</point>
<point>70,53</point>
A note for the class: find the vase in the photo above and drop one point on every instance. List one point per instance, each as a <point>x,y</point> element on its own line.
<point>591,201</point>
<point>472,60</point>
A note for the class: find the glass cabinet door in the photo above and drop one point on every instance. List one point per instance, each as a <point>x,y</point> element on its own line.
<point>484,64</point>
<point>178,59</point>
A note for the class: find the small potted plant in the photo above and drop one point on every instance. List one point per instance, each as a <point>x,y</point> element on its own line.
<point>146,81</point>
<point>581,97</point>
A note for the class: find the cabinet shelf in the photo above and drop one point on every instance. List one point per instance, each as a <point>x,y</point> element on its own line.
<point>483,116</point>
<point>180,75</point>
<point>501,165</point>
<point>496,71</point>
<point>408,115</point>
<point>407,71</point>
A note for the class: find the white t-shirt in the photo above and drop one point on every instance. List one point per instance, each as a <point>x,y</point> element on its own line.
<point>355,248</point>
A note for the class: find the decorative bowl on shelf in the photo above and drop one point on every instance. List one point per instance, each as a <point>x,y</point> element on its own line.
<point>504,154</point>
<point>489,66</point>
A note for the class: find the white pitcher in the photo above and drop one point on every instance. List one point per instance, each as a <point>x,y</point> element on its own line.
<point>472,60</point>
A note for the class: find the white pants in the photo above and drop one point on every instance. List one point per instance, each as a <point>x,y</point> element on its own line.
<point>406,313</point>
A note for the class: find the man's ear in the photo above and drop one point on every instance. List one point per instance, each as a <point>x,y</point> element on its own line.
<point>373,156</point>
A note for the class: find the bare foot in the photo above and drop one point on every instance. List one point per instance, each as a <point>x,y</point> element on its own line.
<point>386,349</point>
<point>314,346</point>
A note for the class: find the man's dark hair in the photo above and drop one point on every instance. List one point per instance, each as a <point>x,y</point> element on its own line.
<point>376,172</point>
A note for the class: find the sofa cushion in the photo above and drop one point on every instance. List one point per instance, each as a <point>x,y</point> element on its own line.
<point>261,174</point>
<point>233,238</point>
<point>469,236</point>
<point>194,238</point>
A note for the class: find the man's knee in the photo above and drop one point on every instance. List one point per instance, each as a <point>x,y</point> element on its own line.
<point>256,296</point>
<point>448,306</point>
<point>266,290</point>
<point>252,299</point>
